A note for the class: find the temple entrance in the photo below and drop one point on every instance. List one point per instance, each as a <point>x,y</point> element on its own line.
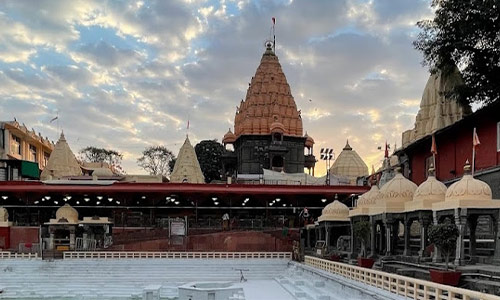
<point>278,163</point>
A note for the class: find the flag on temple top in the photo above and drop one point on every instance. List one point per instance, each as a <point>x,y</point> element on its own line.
<point>274,20</point>
<point>475,139</point>
<point>434,147</point>
<point>187,125</point>
<point>386,150</point>
<point>53,119</point>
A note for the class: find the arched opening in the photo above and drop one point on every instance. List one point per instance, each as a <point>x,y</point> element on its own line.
<point>277,163</point>
<point>277,137</point>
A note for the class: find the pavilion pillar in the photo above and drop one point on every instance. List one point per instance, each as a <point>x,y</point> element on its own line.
<point>72,238</point>
<point>424,231</point>
<point>436,257</point>
<point>496,226</point>
<point>472,223</point>
<point>389,230</point>
<point>352,252</point>
<point>407,226</point>
<point>327,237</point>
<point>373,228</point>
<point>50,245</point>
<point>461,222</point>
<point>308,238</point>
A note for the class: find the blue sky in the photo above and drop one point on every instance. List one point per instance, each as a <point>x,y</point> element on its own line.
<point>128,74</point>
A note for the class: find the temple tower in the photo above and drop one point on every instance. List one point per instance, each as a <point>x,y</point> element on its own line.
<point>187,168</point>
<point>268,132</point>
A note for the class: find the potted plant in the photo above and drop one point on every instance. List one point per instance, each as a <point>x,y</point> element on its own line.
<point>361,231</point>
<point>444,237</point>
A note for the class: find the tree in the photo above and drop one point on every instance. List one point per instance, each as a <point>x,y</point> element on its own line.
<point>102,155</point>
<point>465,34</point>
<point>444,236</point>
<point>156,160</point>
<point>361,230</point>
<point>209,154</point>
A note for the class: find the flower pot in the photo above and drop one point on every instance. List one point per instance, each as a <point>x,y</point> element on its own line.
<point>365,262</point>
<point>335,257</point>
<point>445,277</point>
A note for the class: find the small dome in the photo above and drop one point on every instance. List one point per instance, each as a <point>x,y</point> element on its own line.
<point>102,172</point>
<point>370,198</point>
<point>430,190</point>
<point>309,141</point>
<point>399,189</point>
<point>229,137</point>
<point>335,211</point>
<point>4,214</point>
<point>277,127</point>
<point>468,188</point>
<point>68,213</point>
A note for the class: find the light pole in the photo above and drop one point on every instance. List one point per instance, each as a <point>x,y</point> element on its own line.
<point>327,155</point>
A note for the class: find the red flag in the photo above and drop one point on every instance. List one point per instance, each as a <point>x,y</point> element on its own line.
<point>475,139</point>
<point>434,147</point>
<point>386,150</point>
<point>274,20</point>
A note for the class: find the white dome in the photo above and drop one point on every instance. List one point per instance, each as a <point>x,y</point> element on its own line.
<point>431,189</point>
<point>349,164</point>
<point>68,213</point>
<point>468,188</point>
<point>335,211</point>
<point>370,198</point>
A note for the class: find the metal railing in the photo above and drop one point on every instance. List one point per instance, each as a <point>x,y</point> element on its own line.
<point>410,288</point>
<point>10,255</point>
<point>176,255</point>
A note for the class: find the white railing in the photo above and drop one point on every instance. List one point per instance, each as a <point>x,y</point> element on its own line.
<point>408,287</point>
<point>7,255</point>
<point>177,255</point>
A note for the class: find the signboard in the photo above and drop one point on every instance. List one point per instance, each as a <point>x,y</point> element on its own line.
<point>177,227</point>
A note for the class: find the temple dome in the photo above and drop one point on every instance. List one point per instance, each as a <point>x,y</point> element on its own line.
<point>67,214</point>
<point>309,141</point>
<point>335,211</point>
<point>268,100</point>
<point>102,172</point>
<point>370,198</point>
<point>4,214</point>
<point>430,190</point>
<point>398,189</point>
<point>187,168</point>
<point>437,110</point>
<point>229,137</point>
<point>468,188</point>
<point>62,162</point>
<point>349,164</point>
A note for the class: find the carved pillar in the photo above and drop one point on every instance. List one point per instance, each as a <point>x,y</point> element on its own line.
<point>461,222</point>
<point>424,227</point>
<point>327,237</point>
<point>50,245</point>
<point>472,223</point>
<point>407,226</point>
<point>308,239</point>
<point>389,237</point>
<point>373,228</point>
<point>352,252</point>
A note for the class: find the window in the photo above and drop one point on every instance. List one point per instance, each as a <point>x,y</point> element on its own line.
<point>33,156</point>
<point>45,158</point>
<point>15,146</point>
<point>428,161</point>
<point>498,136</point>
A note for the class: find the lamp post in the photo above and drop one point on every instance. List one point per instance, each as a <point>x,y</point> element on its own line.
<point>327,155</point>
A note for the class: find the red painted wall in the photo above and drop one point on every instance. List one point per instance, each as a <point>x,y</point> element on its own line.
<point>23,234</point>
<point>4,237</point>
<point>454,147</point>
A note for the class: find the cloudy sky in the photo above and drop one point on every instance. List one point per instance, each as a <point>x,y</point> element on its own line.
<point>129,74</point>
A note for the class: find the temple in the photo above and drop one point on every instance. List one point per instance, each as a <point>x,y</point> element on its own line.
<point>268,132</point>
<point>187,168</point>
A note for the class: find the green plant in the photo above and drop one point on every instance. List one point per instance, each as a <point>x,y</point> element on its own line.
<point>361,230</point>
<point>444,236</point>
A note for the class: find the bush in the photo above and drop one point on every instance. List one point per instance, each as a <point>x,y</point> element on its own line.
<point>444,236</point>
<point>361,230</point>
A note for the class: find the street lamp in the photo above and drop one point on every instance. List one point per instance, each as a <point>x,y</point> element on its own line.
<point>327,155</point>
